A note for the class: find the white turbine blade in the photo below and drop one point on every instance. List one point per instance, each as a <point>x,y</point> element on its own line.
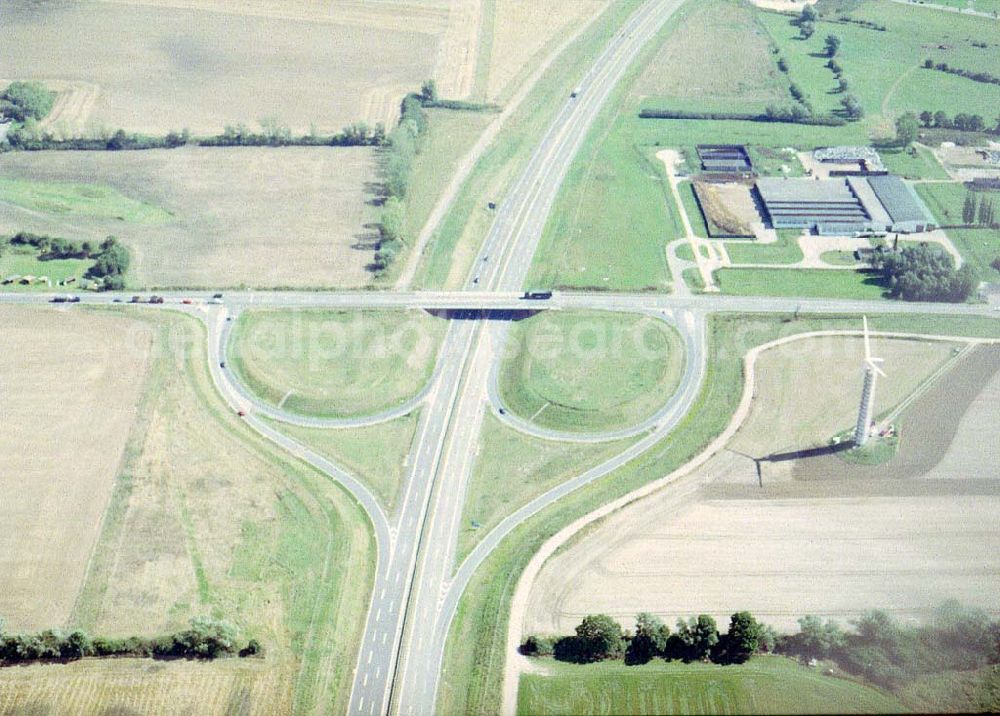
<point>868,350</point>
<point>871,364</point>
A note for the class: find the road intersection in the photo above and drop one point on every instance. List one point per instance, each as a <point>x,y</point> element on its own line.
<point>418,585</point>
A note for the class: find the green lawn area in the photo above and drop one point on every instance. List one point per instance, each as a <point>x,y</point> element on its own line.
<point>375,454</point>
<point>513,468</point>
<point>920,164</point>
<point>838,258</point>
<point>764,685</point>
<point>784,251</point>
<point>684,252</point>
<point>814,283</point>
<point>890,89</point>
<point>589,371</point>
<point>692,277</point>
<point>477,642</point>
<point>24,262</point>
<point>335,363</point>
<point>944,200</point>
<point>980,247</point>
<point>66,199</point>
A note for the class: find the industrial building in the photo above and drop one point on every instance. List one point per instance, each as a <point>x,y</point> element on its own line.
<point>726,158</point>
<point>844,206</point>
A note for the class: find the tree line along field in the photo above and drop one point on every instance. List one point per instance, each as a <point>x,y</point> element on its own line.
<point>160,66</point>
<point>613,217</point>
<point>289,561</point>
<point>256,216</point>
<point>336,363</point>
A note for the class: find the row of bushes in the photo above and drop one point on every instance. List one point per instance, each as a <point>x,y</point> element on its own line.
<point>111,258</point>
<point>205,639</point>
<point>600,638</point>
<point>461,105</point>
<point>30,137</point>
<point>983,77</point>
<point>794,114</point>
<point>879,649</point>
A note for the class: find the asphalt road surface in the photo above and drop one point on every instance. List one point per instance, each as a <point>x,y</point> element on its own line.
<point>418,585</point>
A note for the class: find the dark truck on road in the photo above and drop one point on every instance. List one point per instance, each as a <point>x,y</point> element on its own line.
<point>537,295</point>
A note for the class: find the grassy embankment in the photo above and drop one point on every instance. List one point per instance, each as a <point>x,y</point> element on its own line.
<point>206,517</point>
<point>475,655</point>
<point>765,684</point>
<point>447,260</point>
<point>375,454</point>
<point>589,371</point>
<point>335,363</point>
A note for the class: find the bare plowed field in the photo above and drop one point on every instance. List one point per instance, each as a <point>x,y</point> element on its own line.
<point>782,559</point>
<point>69,387</point>
<point>202,64</point>
<point>825,543</point>
<point>256,216</point>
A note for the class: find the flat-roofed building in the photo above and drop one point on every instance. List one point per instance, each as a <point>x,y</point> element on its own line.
<point>844,205</point>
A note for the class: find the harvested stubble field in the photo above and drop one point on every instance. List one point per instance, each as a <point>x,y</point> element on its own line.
<point>206,217</point>
<point>204,517</point>
<point>71,385</point>
<point>161,65</point>
<point>522,33</point>
<point>142,686</point>
<point>835,547</point>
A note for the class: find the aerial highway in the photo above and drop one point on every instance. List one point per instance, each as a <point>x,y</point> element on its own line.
<point>418,582</point>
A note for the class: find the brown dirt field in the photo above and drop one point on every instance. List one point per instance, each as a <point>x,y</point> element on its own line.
<point>256,216</point>
<point>71,385</point>
<point>781,559</point>
<point>202,64</point>
<point>718,54</point>
<point>728,206</point>
<point>951,432</point>
<point>795,378</point>
<point>833,546</point>
<point>524,32</point>
<point>143,686</point>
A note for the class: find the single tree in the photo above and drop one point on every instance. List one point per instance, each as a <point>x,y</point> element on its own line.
<point>941,120</point>
<point>832,45</point>
<point>806,30</point>
<point>969,208</point>
<point>907,127</point>
<point>650,639</point>
<point>742,639</point>
<point>926,118</point>
<point>428,91</point>
<point>600,637</point>
<point>852,107</point>
<point>698,636</point>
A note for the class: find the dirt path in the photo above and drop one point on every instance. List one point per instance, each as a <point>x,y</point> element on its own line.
<point>685,484</point>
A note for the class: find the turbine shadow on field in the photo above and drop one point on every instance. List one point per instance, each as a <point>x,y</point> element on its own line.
<point>807,453</point>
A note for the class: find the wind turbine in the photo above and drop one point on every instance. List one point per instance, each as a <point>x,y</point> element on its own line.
<point>872,371</point>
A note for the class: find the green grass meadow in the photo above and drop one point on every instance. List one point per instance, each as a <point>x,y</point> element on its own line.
<point>764,685</point>
<point>589,371</point>
<point>335,363</point>
<point>812,283</point>
<point>66,199</point>
<point>20,262</point>
<point>375,454</point>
